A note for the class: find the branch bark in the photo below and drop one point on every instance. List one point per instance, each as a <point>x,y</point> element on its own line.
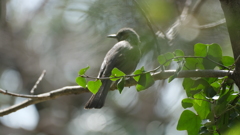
<point>232,14</point>
<point>70,90</point>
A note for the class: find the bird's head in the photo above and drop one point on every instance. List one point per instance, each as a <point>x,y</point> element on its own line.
<point>127,34</point>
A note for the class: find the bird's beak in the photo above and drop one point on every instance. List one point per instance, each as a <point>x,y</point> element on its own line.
<point>112,36</point>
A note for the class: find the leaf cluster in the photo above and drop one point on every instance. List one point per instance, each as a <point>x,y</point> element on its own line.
<point>215,104</point>
<point>211,105</point>
<point>144,79</point>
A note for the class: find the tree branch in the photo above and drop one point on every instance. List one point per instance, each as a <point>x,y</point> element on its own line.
<point>38,81</point>
<point>172,31</point>
<point>232,14</point>
<point>70,90</point>
<point>210,25</point>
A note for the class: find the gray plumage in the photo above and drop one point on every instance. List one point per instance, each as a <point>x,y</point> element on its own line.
<point>124,55</point>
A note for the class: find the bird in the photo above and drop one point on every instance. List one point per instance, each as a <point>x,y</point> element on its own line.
<point>124,55</point>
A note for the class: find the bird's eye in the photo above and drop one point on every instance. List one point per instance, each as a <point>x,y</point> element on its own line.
<point>125,36</point>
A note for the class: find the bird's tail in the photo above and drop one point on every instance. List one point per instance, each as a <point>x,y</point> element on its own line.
<point>97,100</point>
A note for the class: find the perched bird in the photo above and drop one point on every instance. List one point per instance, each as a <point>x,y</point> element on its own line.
<point>124,55</point>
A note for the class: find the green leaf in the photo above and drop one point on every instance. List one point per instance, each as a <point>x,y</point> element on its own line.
<point>225,100</point>
<point>161,59</point>
<point>193,63</point>
<point>179,53</point>
<point>193,87</point>
<point>223,121</point>
<point>201,105</point>
<point>93,86</point>
<point>215,52</point>
<point>216,84</point>
<point>227,61</point>
<point>172,77</point>
<point>138,72</point>
<point>165,59</point>
<point>186,103</point>
<point>116,73</point>
<point>120,84</point>
<point>189,121</point>
<point>211,79</point>
<point>144,82</point>
<point>210,91</point>
<point>168,57</point>
<point>81,81</point>
<point>199,84</point>
<point>83,70</point>
<point>223,97</point>
<point>234,130</point>
<point>200,50</point>
<point>187,84</point>
<point>204,131</point>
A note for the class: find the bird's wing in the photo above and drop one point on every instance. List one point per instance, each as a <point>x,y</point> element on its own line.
<point>115,57</point>
<point>122,56</point>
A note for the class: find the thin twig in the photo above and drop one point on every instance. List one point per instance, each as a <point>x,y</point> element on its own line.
<point>5,92</point>
<point>171,32</point>
<point>68,90</point>
<point>237,60</point>
<point>210,25</point>
<point>38,81</point>
<point>219,64</point>
<point>185,11</point>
